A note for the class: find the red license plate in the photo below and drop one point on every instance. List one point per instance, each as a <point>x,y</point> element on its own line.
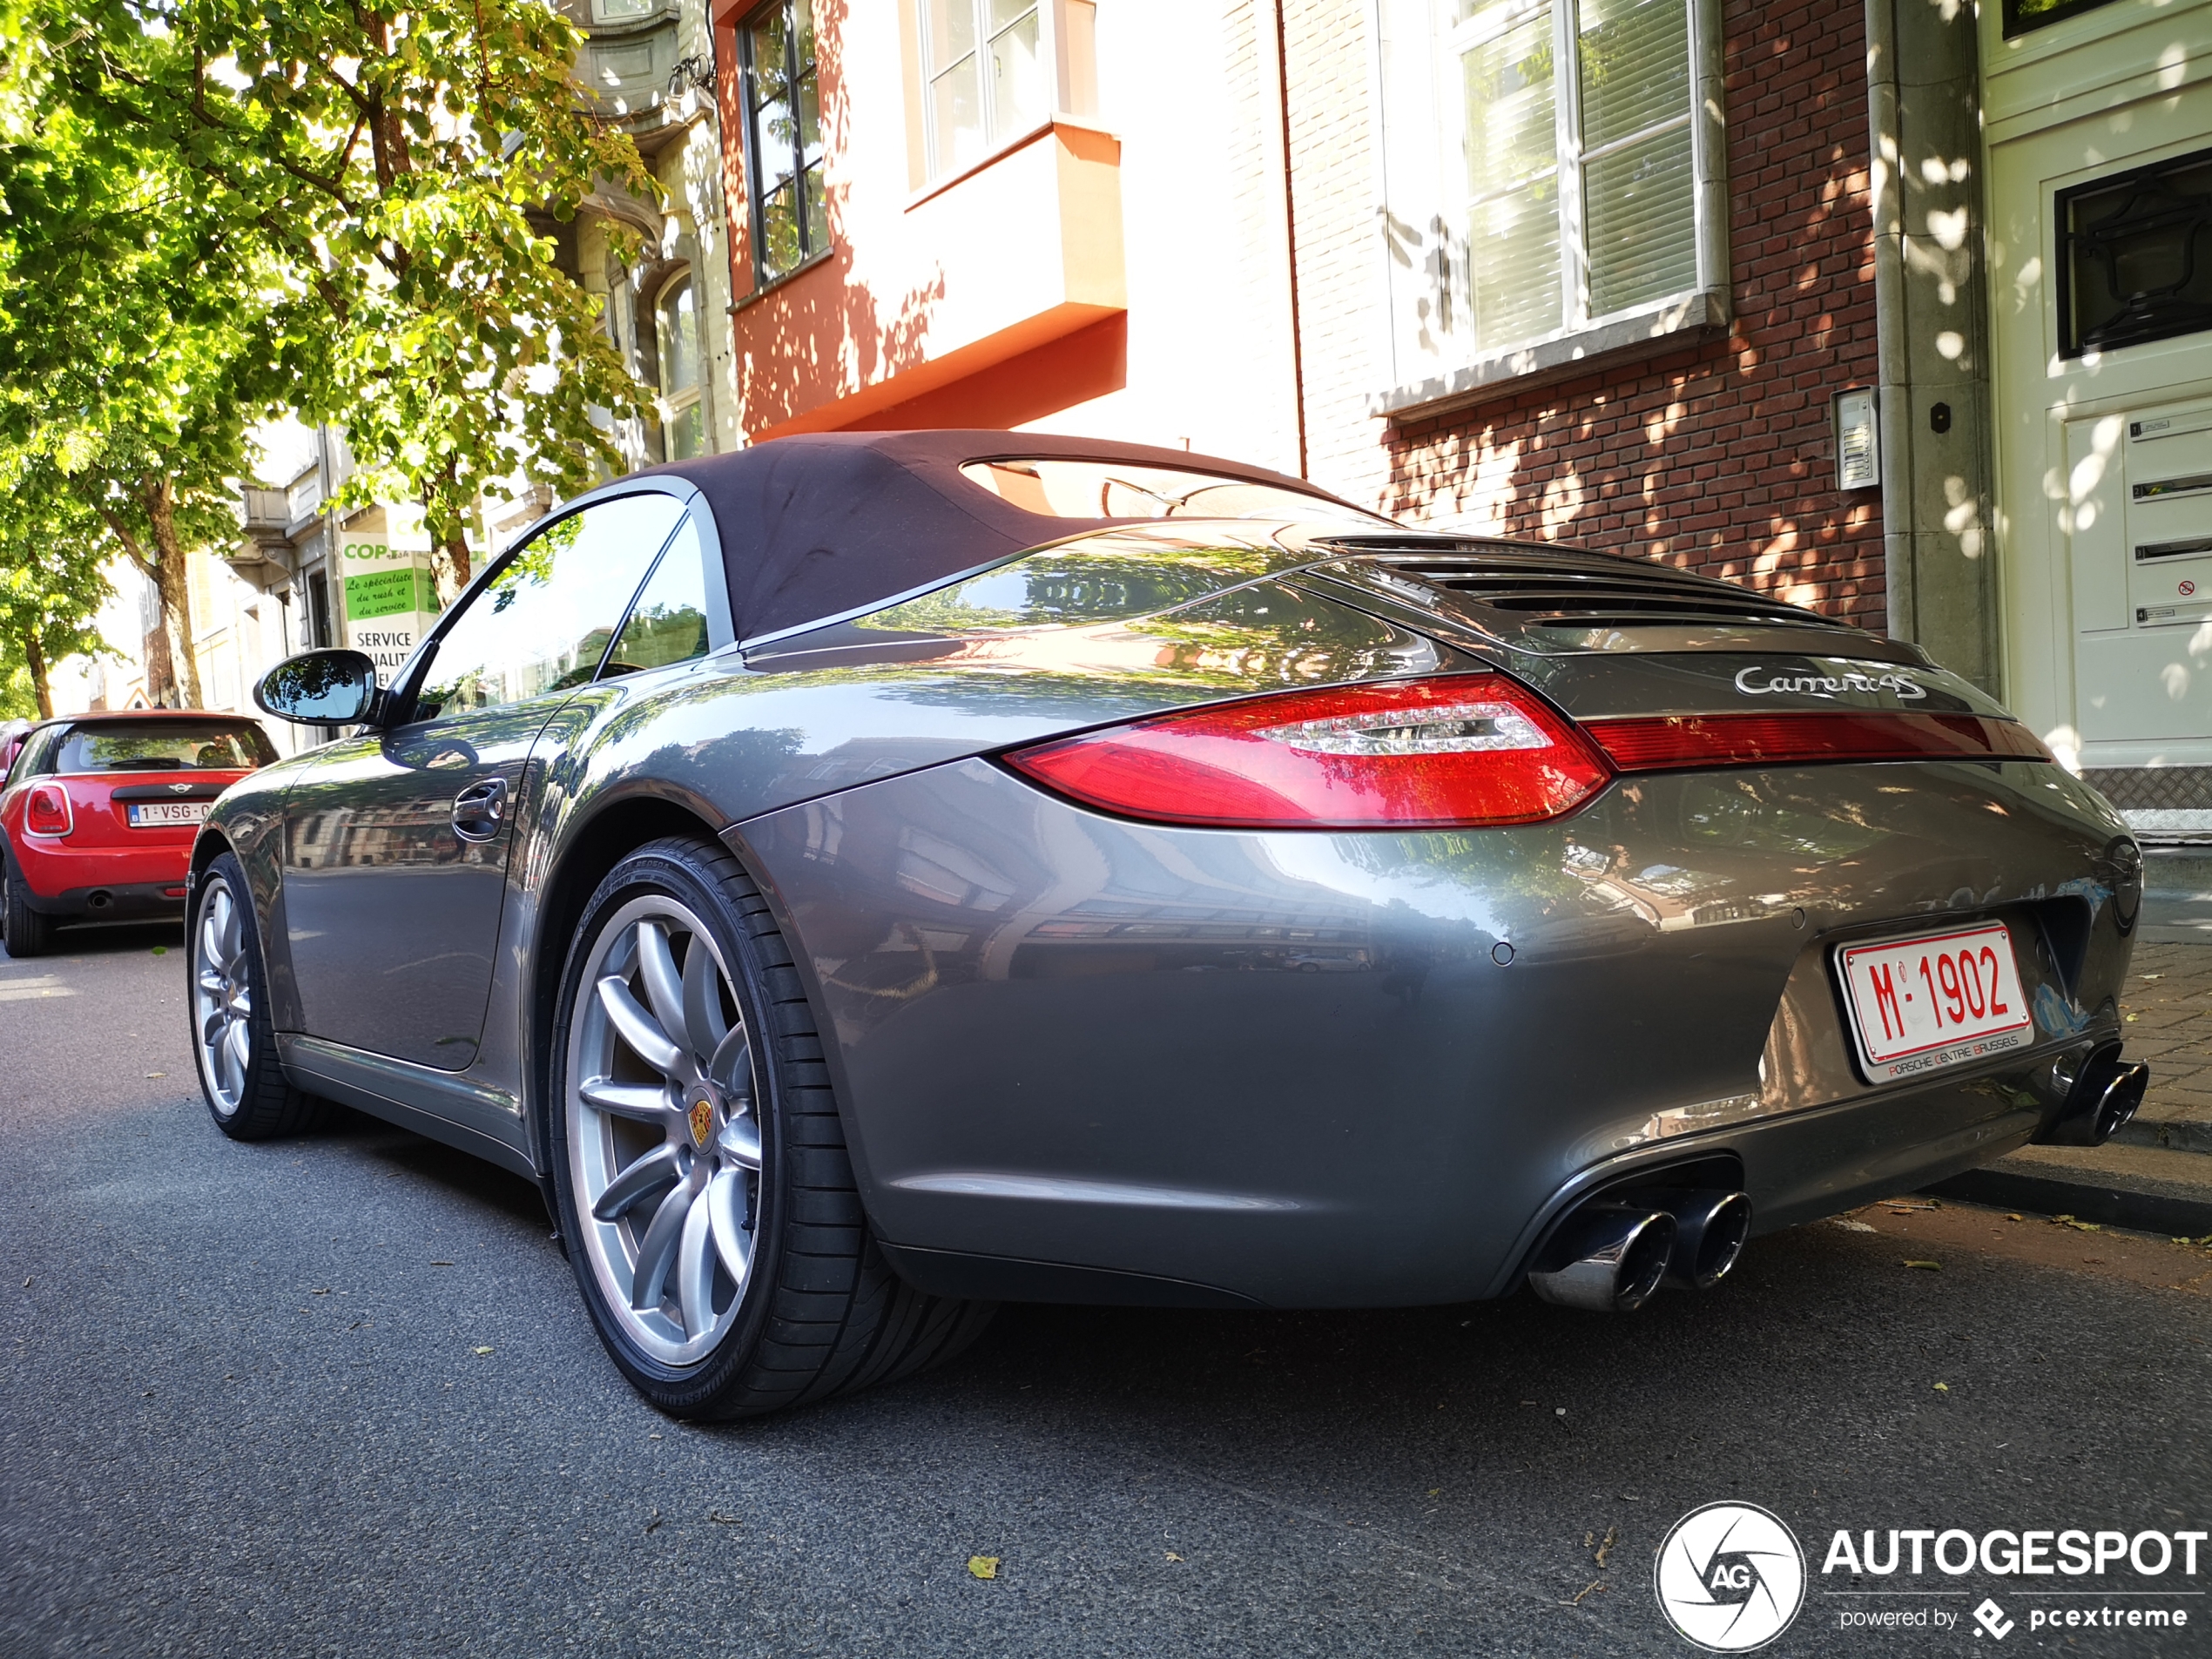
<point>1919,1005</point>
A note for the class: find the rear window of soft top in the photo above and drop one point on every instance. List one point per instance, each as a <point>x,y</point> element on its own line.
<point>165,745</point>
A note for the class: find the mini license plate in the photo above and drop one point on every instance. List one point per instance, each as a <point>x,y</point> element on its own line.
<point>148,814</point>
<point>1919,1005</point>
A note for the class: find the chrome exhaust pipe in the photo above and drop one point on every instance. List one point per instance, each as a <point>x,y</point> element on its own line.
<point>1710,1226</point>
<point>1606,1257</point>
<point>2103,1097</point>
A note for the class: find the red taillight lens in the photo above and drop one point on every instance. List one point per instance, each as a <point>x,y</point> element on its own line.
<point>1460,749</point>
<point>45,810</point>
<point>1676,742</point>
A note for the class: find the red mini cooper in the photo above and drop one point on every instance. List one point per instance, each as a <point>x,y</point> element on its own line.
<point>98,812</point>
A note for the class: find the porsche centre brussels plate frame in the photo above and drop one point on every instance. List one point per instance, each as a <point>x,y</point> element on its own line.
<point>1931,1000</point>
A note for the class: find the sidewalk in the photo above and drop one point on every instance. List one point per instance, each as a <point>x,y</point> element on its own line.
<point>2168,1022</point>
<point>2156,1173</point>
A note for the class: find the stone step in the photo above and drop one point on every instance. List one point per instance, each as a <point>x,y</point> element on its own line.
<point>2177,873</point>
<point>2190,1134</point>
<point>2151,1188</point>
<point>2177,896</point>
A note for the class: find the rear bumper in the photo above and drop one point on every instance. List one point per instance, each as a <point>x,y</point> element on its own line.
<point>1062,1039</point>
<point>122,903</point>
<point>62,881</point>
<point>1796,1169</point>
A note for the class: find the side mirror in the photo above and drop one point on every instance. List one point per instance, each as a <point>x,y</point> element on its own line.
<point>320,688</point>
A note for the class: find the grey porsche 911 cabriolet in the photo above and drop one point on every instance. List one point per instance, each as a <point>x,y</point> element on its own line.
<point>868,877</point>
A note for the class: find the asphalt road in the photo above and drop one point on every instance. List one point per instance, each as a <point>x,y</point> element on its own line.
<point>337,1396</point>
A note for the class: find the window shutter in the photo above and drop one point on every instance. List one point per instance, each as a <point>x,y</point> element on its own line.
<point>1639,185</point>
<point>1513,181</point>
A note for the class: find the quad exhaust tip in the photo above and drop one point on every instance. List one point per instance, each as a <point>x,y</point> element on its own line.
<point>1710,1226</point>
<point>2104,1096</point>
<point>1606,1258</point>
<point>1610,1255</point>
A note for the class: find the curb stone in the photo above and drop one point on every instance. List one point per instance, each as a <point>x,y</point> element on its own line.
<point>2148,1191</point>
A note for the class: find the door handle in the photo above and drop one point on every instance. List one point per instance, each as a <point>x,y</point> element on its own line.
<point>479,809</point>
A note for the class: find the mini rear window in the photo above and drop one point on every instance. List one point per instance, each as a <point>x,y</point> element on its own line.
<point>165,745</point>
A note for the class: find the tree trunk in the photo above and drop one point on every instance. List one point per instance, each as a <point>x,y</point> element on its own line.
<point>449,569</point>
<point>449,557</point>
<point>169,579</point>
<point>172,672</point>
<point>161,676</point>
<point>35,652</point>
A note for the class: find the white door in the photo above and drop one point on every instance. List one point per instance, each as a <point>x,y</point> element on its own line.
<point>2140,567</point>
<point>2104,451</point>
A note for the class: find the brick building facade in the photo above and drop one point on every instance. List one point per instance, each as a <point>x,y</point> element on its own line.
<point>1631,274</point>
<point>1711,449</point>
<point>1718,455</point>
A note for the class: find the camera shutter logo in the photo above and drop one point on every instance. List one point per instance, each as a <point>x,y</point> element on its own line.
<point>1730,1577</point>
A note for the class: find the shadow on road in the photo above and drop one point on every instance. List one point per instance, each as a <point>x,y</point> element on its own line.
<point>113,938</point>
<point>456,1172</point>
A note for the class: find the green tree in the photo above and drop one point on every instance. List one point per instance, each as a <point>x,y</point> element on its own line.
<point>398,154</point>
<point>140,316</point>
<point>52,549</point>
<point>325,205</point>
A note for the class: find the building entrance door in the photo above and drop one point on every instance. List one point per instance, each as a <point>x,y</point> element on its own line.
<point>2099,193</point>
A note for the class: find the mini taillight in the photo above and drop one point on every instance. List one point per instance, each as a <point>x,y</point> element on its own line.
<point>1459,749</point>
<point>1679,741</point>
<point>45,810</point>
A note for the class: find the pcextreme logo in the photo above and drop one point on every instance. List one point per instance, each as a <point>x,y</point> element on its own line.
<point>1730,1577</point>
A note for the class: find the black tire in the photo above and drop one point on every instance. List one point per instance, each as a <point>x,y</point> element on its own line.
<point>263,1105</point>
<point>26,932</point>
<point>820,1312</point>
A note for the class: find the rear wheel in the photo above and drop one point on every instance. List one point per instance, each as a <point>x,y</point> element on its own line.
<point>26,932</point>
<point>699,1164</point>
<point>233,1040</point>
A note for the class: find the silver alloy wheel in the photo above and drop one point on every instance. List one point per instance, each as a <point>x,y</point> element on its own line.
<point>662,1129</point>
<point>222,999</point>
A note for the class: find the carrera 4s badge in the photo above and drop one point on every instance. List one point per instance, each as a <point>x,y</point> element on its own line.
<point>1762,682</point>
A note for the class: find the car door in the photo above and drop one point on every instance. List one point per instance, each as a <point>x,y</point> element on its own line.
<point>396,842</point>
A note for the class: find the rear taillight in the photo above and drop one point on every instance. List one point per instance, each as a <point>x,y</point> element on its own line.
<point>1679,741</point>
<point>1461,749</point>
<point>45,810</point>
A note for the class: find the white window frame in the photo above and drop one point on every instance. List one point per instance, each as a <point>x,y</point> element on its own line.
<point>1465,374</point>
<point>671,407</point>
<point>1064,36</point>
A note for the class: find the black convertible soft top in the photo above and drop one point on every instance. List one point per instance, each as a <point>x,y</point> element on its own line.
<point>825,524</point>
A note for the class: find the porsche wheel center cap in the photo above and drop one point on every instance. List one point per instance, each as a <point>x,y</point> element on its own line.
<point>700,1109</point>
